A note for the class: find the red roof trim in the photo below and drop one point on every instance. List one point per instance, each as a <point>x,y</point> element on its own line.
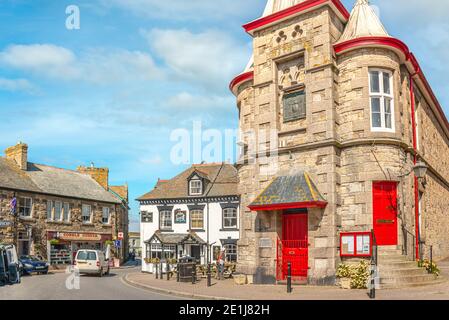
<point>408,58</point>
<point>300,7</point>
<point>286,206</point>
<point>241,78</point>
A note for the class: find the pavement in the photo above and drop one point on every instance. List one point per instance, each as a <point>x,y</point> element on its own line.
<point>62,286</point>
<point>228,290</point>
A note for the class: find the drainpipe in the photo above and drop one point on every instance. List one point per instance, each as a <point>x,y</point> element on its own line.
<point>415,160</point>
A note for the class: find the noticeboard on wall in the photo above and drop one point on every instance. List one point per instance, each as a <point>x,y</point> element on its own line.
<point>355,244</point>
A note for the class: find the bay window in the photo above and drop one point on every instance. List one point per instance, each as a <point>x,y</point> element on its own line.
<point>381,100</point>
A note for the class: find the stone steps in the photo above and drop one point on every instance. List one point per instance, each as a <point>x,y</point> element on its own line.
<point>397,271</point>
<point>439,280</point>
<point>392,272</point>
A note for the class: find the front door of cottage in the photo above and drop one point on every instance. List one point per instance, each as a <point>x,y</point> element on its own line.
<point>294,244</point>
<point>385,213</point>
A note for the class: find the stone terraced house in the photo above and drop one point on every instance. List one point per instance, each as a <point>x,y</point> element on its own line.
<point>59,211</point>
<point>355,122</point>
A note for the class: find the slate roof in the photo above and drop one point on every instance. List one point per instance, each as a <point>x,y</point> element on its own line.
<point>292,189</point>
<point>176,238</point>
<point>223,181</point>
<point>53,181</point>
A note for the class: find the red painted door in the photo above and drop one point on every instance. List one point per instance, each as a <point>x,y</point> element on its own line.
<point>385,213</point>
<point>295,245</point>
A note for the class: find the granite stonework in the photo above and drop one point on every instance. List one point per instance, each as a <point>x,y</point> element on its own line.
<point>334,143</point>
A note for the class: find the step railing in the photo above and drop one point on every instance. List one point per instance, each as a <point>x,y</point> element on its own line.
<point>409,247</point>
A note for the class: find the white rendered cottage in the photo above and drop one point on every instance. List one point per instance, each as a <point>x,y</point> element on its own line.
<point>194,214</point>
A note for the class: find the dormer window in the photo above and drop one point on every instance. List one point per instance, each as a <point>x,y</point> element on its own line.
<point>196,187</point>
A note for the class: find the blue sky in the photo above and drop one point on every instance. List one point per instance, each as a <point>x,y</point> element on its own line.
<point>111,92</point>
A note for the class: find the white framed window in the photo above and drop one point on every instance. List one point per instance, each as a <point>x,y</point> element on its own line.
<point>87,213</point>
<point>57,215</point>
<point>196,187</point>
<point>25,207</point>
<point>106,218</point>
<point>49,210</point>
<point>229,218</point>
<point>381,100</point>
<point>196,219</point>
<point>230,252</point>
<point>166,222</point>
<point>66,212</point>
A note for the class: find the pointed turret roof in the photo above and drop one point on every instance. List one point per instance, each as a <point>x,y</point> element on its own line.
<point>363,22</point>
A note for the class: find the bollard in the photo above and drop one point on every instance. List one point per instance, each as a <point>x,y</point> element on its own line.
<point>289,278</point>
<point>372,292</point>
<point>209,280</point>
<point>193,274</point>
<point>168,271</point>
<point>177,273</point>
<point>156,268</point>
<point>162,272</point>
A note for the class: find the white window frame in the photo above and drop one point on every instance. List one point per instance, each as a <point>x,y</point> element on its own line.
<point>109,215</point>
<point>225,211</point>
<point>60,212</point>
<point>195,212</point>
<point>90,213</point>
<point>30,207</point>
<point>191,187</point>
<point>382,95</point>
<point>161,214</point>
<point>65,206</point>
<point>50,206</point>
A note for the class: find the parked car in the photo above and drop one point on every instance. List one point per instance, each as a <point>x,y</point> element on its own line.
<point>34,264</point>
<point>9,265</point>
<point>91,262</point>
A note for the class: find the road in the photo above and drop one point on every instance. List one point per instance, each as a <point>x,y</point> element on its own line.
<point>53,287</point>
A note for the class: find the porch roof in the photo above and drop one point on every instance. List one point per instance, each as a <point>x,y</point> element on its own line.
<point>289,192</point>
<point>176,238</point>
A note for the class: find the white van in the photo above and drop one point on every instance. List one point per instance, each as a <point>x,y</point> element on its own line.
<point>91,262</point>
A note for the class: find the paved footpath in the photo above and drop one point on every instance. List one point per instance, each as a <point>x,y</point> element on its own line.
<point>228,290</point>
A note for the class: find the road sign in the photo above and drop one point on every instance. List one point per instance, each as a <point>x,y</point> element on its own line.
<point>120,235</point>
<point>118,243</point>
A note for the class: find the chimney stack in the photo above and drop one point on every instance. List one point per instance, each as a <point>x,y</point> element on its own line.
<point>18,154</point>
<point>101,175</point>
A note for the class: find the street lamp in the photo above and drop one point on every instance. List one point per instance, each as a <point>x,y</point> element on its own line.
<point>420,170</point>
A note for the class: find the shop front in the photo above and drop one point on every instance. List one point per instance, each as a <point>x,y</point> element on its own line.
<point>63,246</point>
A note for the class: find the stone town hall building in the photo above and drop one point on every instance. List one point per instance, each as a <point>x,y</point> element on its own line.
<point>353,114</point>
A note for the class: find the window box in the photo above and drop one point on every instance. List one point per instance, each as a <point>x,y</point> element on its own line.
<point>356,244</point>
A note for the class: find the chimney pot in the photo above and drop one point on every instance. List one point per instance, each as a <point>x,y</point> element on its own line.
<point>19,155</point>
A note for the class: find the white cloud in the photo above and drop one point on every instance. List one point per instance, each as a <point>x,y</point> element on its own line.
<point>14,85</point>
<point>96,65</point>
<point>211,58</point>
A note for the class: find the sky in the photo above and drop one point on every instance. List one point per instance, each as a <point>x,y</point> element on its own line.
<point>113,91</point>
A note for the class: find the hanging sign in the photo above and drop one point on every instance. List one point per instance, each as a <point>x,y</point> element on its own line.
<point>5,224</point>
